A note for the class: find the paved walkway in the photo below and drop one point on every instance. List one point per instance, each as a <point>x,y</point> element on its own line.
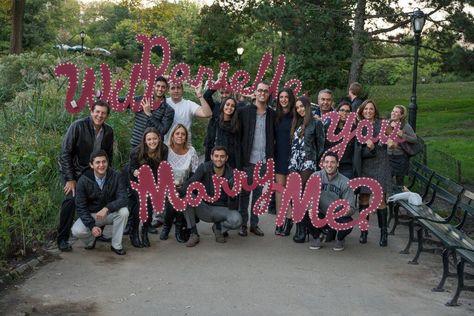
<point>246,276</point>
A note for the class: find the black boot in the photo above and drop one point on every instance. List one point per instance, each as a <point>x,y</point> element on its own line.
<point>165,231</point>
<point>179,233</point>
<point>279,230</point>
<point>300,234</point>
<point>287,226</point>
<point>363,234</point>
<point>145,240</point>
<point>134,235</point>
<point>382,219</point>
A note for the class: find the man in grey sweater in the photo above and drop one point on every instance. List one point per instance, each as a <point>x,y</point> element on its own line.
<point>333,187</point>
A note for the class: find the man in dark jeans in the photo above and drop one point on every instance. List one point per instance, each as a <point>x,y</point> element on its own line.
<point>83,137</point>
<point>101,200</point>
<point>257,140</point>
<point>219,212</point>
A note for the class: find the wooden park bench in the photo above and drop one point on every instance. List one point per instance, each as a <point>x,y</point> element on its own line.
<point>458,245</point>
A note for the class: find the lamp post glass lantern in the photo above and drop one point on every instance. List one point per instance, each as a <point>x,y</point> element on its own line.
<point>417,22</point>
<point>83,35</point>
<point>240,51</point>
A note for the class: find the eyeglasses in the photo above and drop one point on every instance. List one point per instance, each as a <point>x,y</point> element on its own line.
<point>345,111</point>
<point>262,91</point>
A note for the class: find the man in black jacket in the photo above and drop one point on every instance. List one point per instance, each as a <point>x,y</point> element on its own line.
<point>82,138</point>
<point>218,212</point>
<point>257,143</point>
<point>101,199</point>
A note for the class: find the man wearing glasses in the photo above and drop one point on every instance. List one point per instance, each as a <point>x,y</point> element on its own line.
<point>257,139</point>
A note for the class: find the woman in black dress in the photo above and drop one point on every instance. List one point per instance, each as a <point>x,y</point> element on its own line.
<point>151,151</point>
<point>284,110</point>
<point>224,129</point>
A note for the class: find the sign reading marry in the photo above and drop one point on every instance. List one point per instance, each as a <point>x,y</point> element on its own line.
<point>147,71</point>
<point>293,193</point>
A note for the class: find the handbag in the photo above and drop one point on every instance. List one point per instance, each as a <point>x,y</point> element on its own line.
<point>412,149</point>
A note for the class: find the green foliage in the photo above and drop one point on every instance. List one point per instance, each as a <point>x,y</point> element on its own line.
<point>445,120</point>
<point>22,72</point>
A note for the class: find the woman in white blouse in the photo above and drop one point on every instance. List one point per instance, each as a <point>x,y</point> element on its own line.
<point>184,161</point>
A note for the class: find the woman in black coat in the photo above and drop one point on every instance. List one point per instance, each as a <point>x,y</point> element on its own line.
<point>151,151</point>
<point>307,146</point>
<point>223,130</point>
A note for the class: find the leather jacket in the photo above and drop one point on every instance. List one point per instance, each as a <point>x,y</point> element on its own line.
<point>78,145</point>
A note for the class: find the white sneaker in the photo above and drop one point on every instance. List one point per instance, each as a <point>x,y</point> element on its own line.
<point>339,245</point>
<point>315,243</point>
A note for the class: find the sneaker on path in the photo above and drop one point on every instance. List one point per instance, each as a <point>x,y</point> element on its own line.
<point>193,240</point>
<point>315,243</point>
<point>339,245</point>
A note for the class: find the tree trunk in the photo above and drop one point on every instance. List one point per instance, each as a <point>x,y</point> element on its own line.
<point>358,41</point>
<point>18,10</point>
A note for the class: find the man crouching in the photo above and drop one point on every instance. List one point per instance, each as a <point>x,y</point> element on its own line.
<point>101,199</point>
<point>218,212</point>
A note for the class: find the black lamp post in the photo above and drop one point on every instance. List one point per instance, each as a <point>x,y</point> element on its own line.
<point>83,35</point>
<point>417,22</point>
<point>240,51</point>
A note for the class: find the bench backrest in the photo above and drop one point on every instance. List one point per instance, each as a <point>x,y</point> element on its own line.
<point>421,178</point>
<point>447,194</point>
<point>466,207</point>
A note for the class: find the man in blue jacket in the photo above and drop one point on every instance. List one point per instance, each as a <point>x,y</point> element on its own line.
<point>101,200</point>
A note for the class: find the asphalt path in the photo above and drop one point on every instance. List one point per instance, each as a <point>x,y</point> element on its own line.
<point>267,275</point>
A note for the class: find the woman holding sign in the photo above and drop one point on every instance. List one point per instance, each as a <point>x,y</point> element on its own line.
<point>150,151</point>
<point>307,146</point>
<point>374,164</point>
<point>184,161</point>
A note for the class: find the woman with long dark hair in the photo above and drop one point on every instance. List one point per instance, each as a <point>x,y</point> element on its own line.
<point>376,165</point>
<point>224,129</point>
<point>151,151</point>
<point>184,161</point>
<point>285,106</point>
<point>307,146</point>
<point>346,165</point>
<point>399,160</point>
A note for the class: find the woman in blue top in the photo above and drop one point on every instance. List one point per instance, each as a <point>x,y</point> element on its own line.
<point>284,111</point>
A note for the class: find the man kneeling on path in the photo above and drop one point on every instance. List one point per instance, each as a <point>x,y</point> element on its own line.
<point>101,199</point>
<point>333,187</point>
<point>218,212</point>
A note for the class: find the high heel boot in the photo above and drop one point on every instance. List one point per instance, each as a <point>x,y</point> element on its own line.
<point>134,235</point>
<point>363,234</point>
<point>382,219</point>
<point>287,227</point>
<point>145,240</point>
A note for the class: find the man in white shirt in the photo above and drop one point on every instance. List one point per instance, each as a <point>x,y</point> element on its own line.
<point>185,110</point>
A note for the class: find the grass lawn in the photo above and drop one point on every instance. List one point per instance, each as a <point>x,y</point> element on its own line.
<point>445,119</point>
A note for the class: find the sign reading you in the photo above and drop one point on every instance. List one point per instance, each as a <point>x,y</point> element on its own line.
<point>146,187</point>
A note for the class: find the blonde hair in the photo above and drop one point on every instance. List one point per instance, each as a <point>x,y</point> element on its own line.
<point>403,109</point>
<point>186,141</point>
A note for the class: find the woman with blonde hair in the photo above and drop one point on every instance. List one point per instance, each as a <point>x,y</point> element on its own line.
<point>184,161</point>
<point>399,160</point>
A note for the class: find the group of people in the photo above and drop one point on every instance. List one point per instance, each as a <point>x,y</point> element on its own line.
<point>239,135</point>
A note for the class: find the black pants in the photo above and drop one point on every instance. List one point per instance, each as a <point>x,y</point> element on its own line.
<point>66,217</point>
